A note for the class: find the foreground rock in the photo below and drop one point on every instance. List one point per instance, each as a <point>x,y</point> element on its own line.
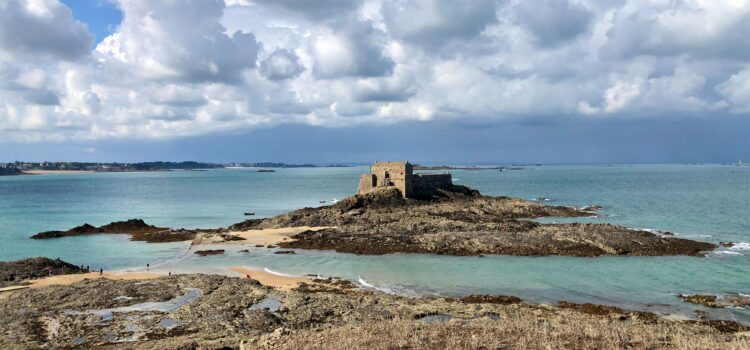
<point>216,312</point>
<point>12,273</point>
<point>462,222</point>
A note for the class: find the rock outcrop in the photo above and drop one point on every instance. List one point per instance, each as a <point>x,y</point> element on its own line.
<point>137,228</point>
<point>15,272</point>
<point>462,222</point>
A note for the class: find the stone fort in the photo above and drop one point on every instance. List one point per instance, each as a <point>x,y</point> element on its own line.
<point>401,175</point>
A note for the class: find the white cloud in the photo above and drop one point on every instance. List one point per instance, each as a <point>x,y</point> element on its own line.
<point>736,90</point>
<point>35,29</point>
<point>181,68</point>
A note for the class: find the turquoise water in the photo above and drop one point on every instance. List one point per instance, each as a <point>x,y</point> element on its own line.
<point>702,202</point>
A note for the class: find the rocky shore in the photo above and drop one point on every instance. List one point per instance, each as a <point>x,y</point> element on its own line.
<point>216,312</point>
<point>718,301</point>
<point>15,272</point>
<point>458,221</point>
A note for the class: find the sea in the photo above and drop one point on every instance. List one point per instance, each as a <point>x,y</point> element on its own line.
<point>706,202</point>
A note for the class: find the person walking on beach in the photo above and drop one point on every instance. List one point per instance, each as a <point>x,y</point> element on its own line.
<point>101,272</point>
<point>148,267</point>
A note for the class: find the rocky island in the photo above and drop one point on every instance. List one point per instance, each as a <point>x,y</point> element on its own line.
<point>397,211</point>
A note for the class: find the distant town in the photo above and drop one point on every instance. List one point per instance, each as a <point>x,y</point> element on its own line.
<point>24,168</point>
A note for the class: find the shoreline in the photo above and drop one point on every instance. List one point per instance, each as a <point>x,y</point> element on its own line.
<point>56,172</point>
<point>285,283</point>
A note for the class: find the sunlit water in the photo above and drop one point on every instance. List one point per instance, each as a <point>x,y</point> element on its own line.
<point>701,202</point>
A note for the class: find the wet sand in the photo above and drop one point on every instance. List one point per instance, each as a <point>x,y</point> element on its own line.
<point>284,283</point>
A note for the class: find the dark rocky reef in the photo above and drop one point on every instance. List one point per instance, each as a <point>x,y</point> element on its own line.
<point>10,171</point>
<point>137,228</point>
<point>462,222</point>
<point>209,252</point>
<point>15,272</point>
<point>717,301</point>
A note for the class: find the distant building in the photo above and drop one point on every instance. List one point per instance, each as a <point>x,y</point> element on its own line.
<point>401,175</point>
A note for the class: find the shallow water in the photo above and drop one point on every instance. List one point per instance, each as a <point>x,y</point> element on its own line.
<point>702,202</point>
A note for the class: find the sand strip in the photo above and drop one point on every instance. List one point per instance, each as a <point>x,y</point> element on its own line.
<point>73,278</point>
<point>69,279</point>
<point>270,236</point>
<point>272,280</point>
<point>52,172</point>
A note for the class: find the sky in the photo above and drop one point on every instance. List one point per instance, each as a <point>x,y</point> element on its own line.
<point>353,81</point>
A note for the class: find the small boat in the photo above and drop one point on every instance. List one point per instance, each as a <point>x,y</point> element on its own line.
<point>322,202</point>
<point>249,213</point>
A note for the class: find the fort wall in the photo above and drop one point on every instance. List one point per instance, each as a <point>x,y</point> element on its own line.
<point>401,176</point>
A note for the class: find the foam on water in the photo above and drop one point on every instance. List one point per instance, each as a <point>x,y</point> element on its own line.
<point>740,246</point>
<point>277,273</point>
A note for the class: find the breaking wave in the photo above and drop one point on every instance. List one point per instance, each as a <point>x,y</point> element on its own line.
<point>393,289</point>
<point>277,273</point>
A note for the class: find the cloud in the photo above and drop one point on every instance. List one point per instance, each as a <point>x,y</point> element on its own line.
<point>31,29</point>
<point>436,23</point>
<point>179,41</point>
<point>736,90</point>
<point>175,69</point>
<point>281,65</point>
<point>552,23</point>
<point>711,29</point>
<point>350,48</point>
<point>319,9</point>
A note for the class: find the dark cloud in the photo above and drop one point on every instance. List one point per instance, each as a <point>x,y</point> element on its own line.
<point>711,30</point>
<point>45,29</point>
<point>552,22</point>
<point>436,23</point>
<point>42,97</point>
<point>317,9</point>
<point>281,65</point>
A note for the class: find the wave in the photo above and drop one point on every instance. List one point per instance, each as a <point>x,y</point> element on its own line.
<point>740,246</point>
<point>727,252</point>
<point>277,273</point>
<point>698,236</point>
<point>391,289</point>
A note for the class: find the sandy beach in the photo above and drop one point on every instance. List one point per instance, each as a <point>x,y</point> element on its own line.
<point>285,283</point>
<point>51,172</point>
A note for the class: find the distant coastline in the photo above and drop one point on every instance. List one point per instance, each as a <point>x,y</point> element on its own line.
<point>46,168</point>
